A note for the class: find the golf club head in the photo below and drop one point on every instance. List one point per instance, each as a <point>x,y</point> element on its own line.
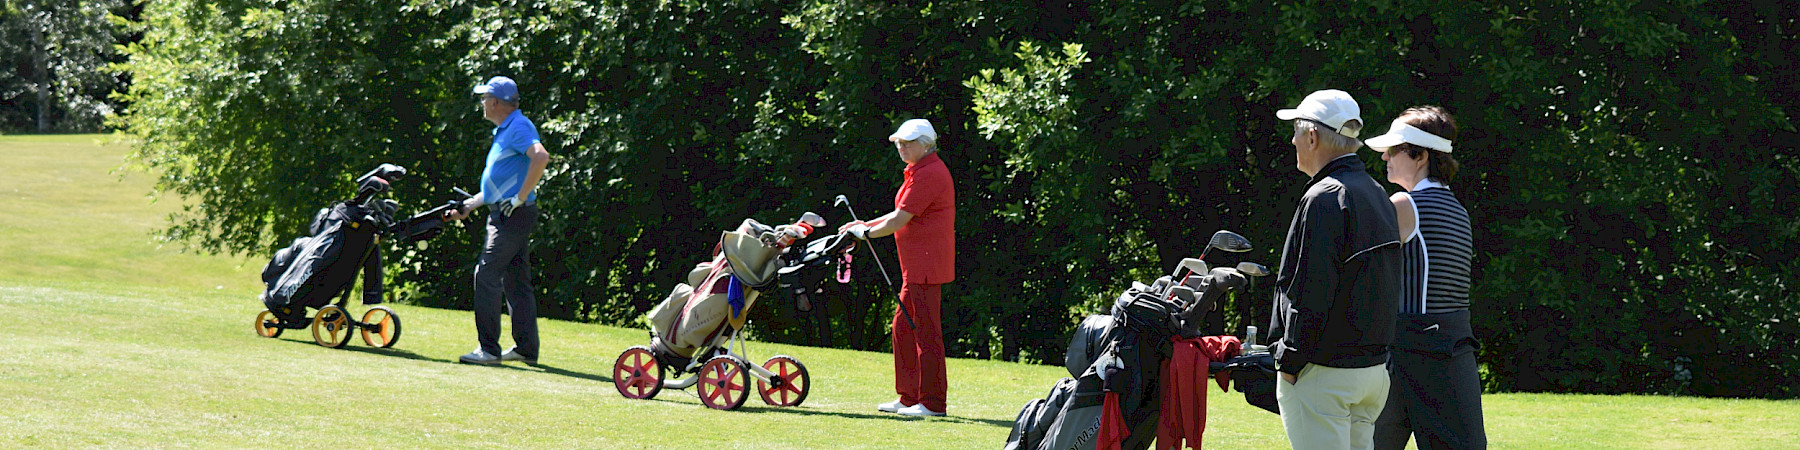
<point>812,219</point>
<point>391,172</point>
<point>841,200</point>
<point>1194,265</point>
<point>1252,269</point>
<point>1194,281</point>
<point>1229,241</point>
<point>385,171</point>
<point>1183,293</point>
<point>1161,284</point>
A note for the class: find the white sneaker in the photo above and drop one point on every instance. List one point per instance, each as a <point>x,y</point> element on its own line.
<point>479,357</point>
<point>919,410</point>
<point>512,354</point>
<point>893,406</point>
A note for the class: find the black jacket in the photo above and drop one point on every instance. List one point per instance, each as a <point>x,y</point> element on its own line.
<point>1337,294</point>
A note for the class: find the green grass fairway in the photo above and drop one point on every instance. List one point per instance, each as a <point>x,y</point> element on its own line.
<point>115,340</point>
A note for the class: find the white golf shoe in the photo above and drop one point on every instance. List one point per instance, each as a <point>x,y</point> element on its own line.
<point>919,410</point>
<point>893,406</point>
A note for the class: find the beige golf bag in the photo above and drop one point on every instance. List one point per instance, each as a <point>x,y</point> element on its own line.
<point>721,291</point>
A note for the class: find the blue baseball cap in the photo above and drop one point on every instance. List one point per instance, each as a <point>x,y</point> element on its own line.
<point>500,87</point>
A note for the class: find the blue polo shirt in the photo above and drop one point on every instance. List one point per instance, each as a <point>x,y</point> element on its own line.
<point>507,161</point>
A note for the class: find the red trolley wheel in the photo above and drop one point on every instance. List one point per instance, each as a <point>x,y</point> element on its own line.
<point>637,375</point>
<point>790,385</point>
<point>724,384</point>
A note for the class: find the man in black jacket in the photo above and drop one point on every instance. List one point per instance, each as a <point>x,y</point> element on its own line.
<point>1336,295</point>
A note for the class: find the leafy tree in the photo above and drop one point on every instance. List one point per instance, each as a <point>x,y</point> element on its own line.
<point>263,111</point>
<point>1625,242</point>
<point>1599,223</point>
<point>57,57</point>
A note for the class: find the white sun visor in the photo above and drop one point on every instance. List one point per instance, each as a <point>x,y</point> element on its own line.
<point>1400,132</point>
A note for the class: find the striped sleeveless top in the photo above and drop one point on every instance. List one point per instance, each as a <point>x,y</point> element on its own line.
<point>1435,276</point>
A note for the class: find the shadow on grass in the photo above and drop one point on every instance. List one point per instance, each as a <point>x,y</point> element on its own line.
<point>389,352</point>
<point>754,405</point>
<point>747,408</point>
<point>544,368</point>
<point>802,411</point>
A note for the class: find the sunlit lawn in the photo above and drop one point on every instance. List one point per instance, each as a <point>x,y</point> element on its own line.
<point>116,340</point>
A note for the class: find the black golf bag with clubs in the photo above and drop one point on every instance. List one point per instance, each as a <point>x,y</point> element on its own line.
<point>343,241</point>
<point>1121,354</point>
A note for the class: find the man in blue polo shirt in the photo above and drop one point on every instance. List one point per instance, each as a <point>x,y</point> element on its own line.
<point>515,164</point>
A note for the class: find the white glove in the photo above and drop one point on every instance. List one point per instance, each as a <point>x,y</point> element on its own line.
<point>859,231</point>
<point>507,206</point>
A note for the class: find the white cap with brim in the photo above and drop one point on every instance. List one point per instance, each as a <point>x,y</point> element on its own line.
<point>1400,132</point>
<point>1331,107</point>
<point>911,130</point>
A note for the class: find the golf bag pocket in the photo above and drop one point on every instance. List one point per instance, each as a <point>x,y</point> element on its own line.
<point>1067,418</point>
<point>662,318</point>
<point>1254,375</point>
<point>319,221</point>
<point>311,259</point>
<point>699,273</point>
<point>326,263</point>
<point>688,320</point>
<point>1089,340</point>
<point>280,263</point>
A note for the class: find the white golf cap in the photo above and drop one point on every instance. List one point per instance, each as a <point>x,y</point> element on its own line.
<point>912,129</point>
<point>1331,107</point>
<point>1401,132</point>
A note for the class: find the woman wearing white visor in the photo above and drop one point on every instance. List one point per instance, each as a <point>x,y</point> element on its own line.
<point>1435,384</point>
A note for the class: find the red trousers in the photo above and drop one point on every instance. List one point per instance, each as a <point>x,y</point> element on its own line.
<point>919,374</point>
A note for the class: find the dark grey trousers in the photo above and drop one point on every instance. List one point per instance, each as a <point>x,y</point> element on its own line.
<point>1435,386</point>
<point>505,267</point>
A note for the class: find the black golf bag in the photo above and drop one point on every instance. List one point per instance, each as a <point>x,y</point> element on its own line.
<point>315,268</point>
<point>1119,353</point>
<point>342,240</point>
<point>1122,353</point>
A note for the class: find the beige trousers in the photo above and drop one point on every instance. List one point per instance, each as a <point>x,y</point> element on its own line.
<point>1332,408</point>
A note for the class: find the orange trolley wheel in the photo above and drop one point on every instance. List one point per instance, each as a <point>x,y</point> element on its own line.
<point>266,325</point>
<point>381,327</point>
<point>331,328</point>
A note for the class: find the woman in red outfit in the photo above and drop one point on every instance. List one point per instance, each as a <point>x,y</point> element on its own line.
<point>924,227</point>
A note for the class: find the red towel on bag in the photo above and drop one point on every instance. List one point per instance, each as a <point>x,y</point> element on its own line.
<point>1184,388</point>
<point>1221,349</point>
<point>1112,425</point>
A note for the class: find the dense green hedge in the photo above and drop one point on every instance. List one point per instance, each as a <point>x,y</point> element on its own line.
<point>58,63</point>
<point>1629,166</point>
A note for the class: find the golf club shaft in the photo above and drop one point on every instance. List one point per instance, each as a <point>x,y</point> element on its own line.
<point>878,264</point>
<point>883,268</point>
